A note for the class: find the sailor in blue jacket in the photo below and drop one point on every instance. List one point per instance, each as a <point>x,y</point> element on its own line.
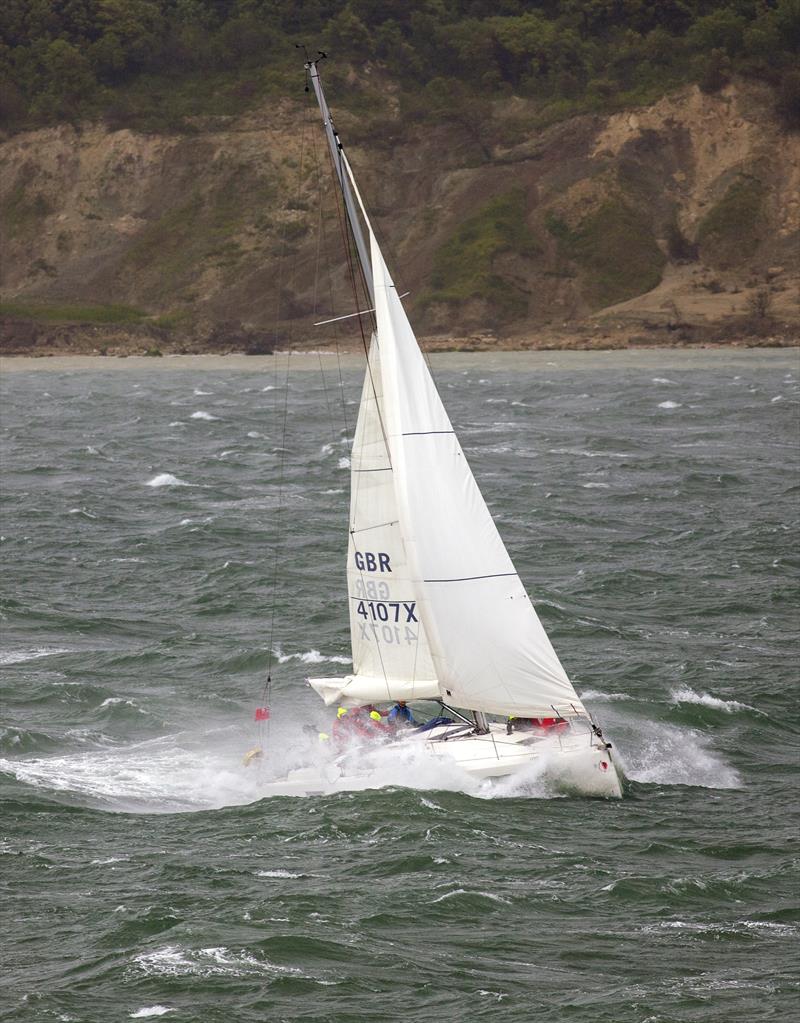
<point>400,714</point>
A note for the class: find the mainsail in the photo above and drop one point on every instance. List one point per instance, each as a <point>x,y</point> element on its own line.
<point>391,656</point>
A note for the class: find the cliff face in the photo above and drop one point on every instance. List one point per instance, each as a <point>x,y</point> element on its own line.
<point>672,213</point>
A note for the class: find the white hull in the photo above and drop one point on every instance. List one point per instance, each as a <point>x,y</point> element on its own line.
<point>576,761</point>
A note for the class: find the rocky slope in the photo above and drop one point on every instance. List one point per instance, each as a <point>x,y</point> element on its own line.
<point>677,220</point>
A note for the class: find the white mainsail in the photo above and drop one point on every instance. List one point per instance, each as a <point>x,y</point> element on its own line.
<point>391,656</point>
<point>490,651</point>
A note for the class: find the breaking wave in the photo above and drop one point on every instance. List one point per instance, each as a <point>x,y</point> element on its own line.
<point>687,695</point>
<point>166,479</point>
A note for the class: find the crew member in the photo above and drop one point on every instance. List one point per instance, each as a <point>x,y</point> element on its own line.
<point>400,715</point>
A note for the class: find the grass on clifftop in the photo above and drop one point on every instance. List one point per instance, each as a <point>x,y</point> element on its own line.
<point>729,233</point>
<point>118,314</point>
<point>464,267</point>
<point>616,249</point>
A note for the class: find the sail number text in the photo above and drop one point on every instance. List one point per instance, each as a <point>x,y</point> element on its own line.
<point>388,610</point>
<point>369,562</point>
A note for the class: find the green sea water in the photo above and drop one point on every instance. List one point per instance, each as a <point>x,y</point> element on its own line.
<point>650,502</point>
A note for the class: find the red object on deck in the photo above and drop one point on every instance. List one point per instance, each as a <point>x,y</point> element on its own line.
<point>262,713</point>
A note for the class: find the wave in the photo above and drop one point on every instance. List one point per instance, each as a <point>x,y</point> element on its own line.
<point>154,776</point>
<point>311,657</point>
<point>21,656</point>
<point>669,404</point>
<point>180,961</point>
<point>598,697</point>
<point>166,479</point>
<point>150,1010</point>
<point>659,754</point>
<point>687,695</point>
<point>205,416</point>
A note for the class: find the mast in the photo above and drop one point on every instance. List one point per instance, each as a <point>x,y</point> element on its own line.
<point>337,155</point>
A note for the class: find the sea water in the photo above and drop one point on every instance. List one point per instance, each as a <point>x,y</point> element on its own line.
<point>172,530</point>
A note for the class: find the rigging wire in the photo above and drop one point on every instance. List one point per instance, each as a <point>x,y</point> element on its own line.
<point>264,722</point>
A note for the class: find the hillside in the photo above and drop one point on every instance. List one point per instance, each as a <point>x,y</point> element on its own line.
<point>679,219</point>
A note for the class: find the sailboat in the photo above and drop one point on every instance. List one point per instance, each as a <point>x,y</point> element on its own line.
<point>437,610</point>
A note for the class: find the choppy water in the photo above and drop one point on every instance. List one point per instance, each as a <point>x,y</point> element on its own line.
<point>650,502</point>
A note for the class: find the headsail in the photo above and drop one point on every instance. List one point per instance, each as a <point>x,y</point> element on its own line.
<point>490,650</point>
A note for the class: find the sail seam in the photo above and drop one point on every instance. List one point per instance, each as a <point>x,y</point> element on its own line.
<point>469,578</point>
<point>425,433</point>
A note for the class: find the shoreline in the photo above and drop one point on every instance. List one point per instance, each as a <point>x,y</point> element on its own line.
<point>317,360</point>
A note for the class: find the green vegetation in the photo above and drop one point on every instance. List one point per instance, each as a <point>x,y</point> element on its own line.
<point>155,64</point>
<point>729,234</point>
<point>23,213</point>
<point>41,313</point>
<point>464,267</point>
<point>616,248</point>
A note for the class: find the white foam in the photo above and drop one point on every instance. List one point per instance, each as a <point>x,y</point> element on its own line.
<point>156,776</point>
<point>662,380</point>
<point>20,656</point>
<point>255,435</point>
<point>150,1010</point>
<point>687,695</point>
<point>177,961</point>
<point>311,657</point>
<point>166,479</point>
<point>204,415</point>
<point>669,404</point>
<point>200,393</point>
<point>277,873</point>
<point>465,891</point>
<point>661,754</point>
<point>344,463</point>
<point>597,696</point>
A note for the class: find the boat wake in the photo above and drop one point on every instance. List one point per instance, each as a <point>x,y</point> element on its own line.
<point>192,773</point>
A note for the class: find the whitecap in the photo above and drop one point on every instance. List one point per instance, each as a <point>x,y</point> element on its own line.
<point>596,695</point>
<point>344,463</point>
<point>778,397</point>
<point>334,491</point>
<point>150,1010</point>
<point>310,657</point>
<point>595,486</point>
<point>662,380</point>
<point>687,695</point>
<point>255,435</point>
<point>668,404</point>
<point>20,656</point>
<point>114,701</point>
<point>203,415</point>
<point>465,891</point>
<point>200,393</point>
<point>174,961</point>
<point>166,479</point>
<point>276,873</point>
